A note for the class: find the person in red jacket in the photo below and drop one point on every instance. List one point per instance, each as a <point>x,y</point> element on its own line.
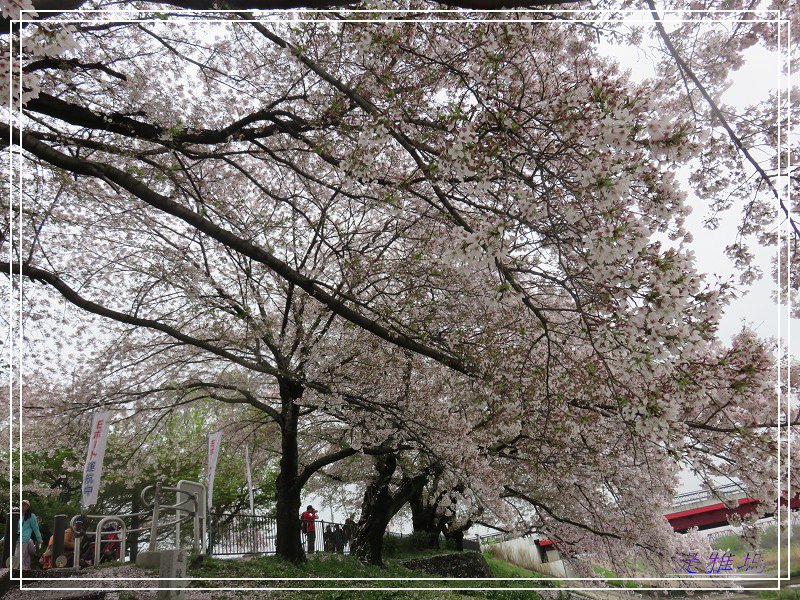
<point>307,526</point>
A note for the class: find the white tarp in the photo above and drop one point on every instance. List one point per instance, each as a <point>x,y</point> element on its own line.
<point>93,468</point>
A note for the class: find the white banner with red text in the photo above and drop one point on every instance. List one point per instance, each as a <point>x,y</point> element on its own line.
<point>93,468</point>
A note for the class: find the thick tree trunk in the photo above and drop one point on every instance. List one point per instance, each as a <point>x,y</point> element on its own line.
<point>288,544</point>
<point>424,519</point>
<point>379,506</point>
<point>371,527</point>
<point>455,537</point>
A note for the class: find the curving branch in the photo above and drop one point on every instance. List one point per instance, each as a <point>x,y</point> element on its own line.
<point>81,116</point>
<point>687,71</point>
<point>75,298</point>
<point>329,459</point>
<point>312,287</point>
<point>68,64</point>
<point>538,505</point>
<point>247,397</point>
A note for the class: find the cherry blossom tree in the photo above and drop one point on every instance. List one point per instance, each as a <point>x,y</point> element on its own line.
<point>422,418</point>
<point>307,218</point>
<point>704,426</point>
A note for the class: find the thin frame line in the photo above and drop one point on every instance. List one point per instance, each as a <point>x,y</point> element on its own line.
<point>447,11</point>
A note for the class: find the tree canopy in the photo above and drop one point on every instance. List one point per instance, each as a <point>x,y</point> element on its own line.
<point>455,245</point>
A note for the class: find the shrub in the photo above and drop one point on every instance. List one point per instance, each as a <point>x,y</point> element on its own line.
<point>731,542</point>
<point>769,537</point>
<point>450,544</point>
<point>395,545</point>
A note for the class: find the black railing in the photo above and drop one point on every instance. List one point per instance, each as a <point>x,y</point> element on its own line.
<point>242,534</point>
<point>327,538</point>
<point>493,538</point>
<point>246,534</point>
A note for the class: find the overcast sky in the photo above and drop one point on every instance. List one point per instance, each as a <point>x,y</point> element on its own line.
<point>751,83</point>
<point>755,305</point>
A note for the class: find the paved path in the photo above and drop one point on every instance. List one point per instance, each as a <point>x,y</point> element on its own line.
<point>73,588</point>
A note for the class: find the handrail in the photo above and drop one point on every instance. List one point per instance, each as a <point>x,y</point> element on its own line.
<point>728,489</point>
<point>188,506</point>
<point>180,506</point>
<point>122,516</point>
<point>98,537</point>
<point>162,525</point>
<point>79,532</point>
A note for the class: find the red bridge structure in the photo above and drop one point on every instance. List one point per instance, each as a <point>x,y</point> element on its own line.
<point>702,512</point>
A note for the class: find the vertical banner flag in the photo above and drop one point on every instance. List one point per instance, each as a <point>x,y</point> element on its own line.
<point>214,440</point>
<point>249,477</point>
<point>93,468</point>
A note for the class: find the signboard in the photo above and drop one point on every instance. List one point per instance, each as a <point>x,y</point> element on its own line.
<point>93,468</point>
<point>214,441</point>
<point>198,491</point>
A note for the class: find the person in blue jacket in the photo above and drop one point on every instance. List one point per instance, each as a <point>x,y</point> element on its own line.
<point>28,531</point>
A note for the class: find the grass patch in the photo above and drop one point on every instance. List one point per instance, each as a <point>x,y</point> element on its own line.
<point>317,565</point>
<point>771,560</point>
<point>733,543</point>
<point>500,568</point>
<point>768,544</point>
<point>603,572</point>
<point>348,567</point>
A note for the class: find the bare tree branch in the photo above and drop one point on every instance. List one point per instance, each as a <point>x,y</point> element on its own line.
<point>231,240</point>
<point>72,296</point>
<point>718,114</point>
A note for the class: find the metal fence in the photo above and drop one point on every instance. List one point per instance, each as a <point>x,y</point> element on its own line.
<point>232,534</point>
<point>327,538</point>
<point>730,489</point>
<point>493,538</point>
<point>237,535</point>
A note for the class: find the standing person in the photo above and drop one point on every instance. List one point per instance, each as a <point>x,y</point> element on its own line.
<point>307,524</point>
<point>338,539</point>
<point>349,530</point>
<point>327,539</point>
<point>28,531</point>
